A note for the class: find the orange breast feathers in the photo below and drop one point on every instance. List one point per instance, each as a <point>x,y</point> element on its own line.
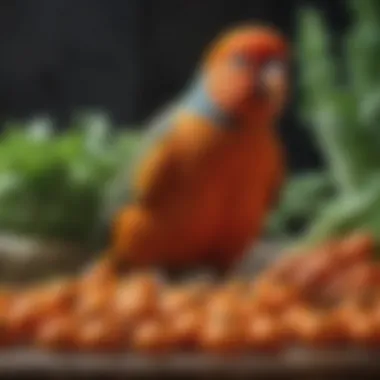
<point>254,170</point>
<point>178,191</point>
<point>202,196</point>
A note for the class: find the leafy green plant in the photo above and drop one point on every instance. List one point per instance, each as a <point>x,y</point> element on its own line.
<point>303,198</point>
<point>341,94</point>
<point>51,185</point>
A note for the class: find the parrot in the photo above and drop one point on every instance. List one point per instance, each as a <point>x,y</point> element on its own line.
<point>212,164</point>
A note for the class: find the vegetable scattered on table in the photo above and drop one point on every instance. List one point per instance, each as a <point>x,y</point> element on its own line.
<point>328,297</point>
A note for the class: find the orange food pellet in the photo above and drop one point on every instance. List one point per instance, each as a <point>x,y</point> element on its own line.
<point>359,317</point>
<point>174,300</point>
<point>275,297</point>
<point>266,332</point>
<point>151,337</point>
<point>222,336</point>
<point>8,336</point>
<point>93,302</point>
<point>185,327</point>
<point>137,298</point>
<point>313,327</point>
<point>57,334</point>
<point>100,334</point>
<point>226,306</point>
<point>32,308</point>
<point>7,295</point>
<point>363,329</point>
<point>59,295</point>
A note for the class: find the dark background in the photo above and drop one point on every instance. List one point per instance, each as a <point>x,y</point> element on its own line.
<point>127,56</point>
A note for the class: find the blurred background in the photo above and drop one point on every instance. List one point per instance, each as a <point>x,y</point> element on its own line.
<point>79,79</point>
<point>128,57</point>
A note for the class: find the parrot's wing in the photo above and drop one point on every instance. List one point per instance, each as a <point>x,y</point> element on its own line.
<point>121,189</point>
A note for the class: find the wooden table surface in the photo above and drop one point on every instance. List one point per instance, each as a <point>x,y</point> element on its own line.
<point>295,363</point>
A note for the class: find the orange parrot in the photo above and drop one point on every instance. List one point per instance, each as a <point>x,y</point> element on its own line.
<point>213,166</point>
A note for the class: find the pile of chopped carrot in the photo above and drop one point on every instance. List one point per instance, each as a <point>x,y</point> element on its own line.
<point>327,297</point>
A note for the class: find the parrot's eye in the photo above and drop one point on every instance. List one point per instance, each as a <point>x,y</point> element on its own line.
<point>273,79</point>
<point>271,72</point>
<point>273,67</point>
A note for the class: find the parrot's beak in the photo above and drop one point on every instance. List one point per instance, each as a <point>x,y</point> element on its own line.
<point>273,83</point>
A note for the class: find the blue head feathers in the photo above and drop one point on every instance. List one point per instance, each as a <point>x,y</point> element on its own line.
<point>199,101</point>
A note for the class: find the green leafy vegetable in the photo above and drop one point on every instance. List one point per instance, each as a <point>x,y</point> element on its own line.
<point>51,184</point>
<point>341,106</point>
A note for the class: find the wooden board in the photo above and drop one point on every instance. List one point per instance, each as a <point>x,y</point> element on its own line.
<point>295,362</point>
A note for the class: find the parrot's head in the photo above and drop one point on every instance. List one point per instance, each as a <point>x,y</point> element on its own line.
<point>247,69</point>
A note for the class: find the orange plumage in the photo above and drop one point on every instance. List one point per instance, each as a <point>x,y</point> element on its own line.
<point>203,187</point>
